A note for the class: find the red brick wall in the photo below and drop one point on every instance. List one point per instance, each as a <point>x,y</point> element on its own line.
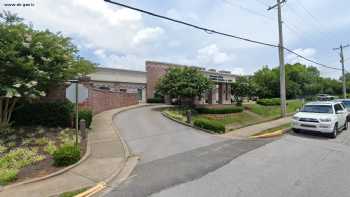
<point>98,101</point>
<point>154,71</point>
<point>102,100</point>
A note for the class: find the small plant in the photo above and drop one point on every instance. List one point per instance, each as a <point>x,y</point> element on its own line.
<point>12,137</point>
<point>19,158</point>
<point>50,148</point>
<point>42,141</point>
<point>2,149</point>
<point>66,155</point>
<point>27,142</point>
<point>41,131</point>
<point>67,137</point>
<point>11,145</point>
<point>8,175</point>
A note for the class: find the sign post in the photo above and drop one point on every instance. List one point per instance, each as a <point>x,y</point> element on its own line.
<point>76,93</point>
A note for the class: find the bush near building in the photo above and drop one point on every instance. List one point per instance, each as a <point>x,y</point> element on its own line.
<point>211,125</point>
<point>155,100</point>
<point>226,110</point>
<point>51,114</point>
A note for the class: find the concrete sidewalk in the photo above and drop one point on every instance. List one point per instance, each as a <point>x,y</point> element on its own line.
<point>107,158</point>
<point>251,130</point>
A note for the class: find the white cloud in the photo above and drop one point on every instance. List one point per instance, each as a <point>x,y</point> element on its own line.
<point>307,52</point>
<point>212,55</point>
<point>147,35</point>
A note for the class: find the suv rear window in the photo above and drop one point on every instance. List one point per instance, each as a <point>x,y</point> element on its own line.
<point>326,109</point>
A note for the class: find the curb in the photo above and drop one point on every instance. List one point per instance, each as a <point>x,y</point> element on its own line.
<point>190,125</point>
<point>130,160</point>
<point>86,155</point>
<point>271,134</point>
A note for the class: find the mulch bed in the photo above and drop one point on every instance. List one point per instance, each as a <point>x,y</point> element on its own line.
<point>44,167</point>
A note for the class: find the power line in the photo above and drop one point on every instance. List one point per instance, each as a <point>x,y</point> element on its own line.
<point>211,31</point>
<point>247,9</point>
<point>262,3</point>
<point>301,19</point>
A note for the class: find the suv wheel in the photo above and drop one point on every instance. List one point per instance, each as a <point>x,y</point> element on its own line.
<point>346,125</point>
<point>335,131</point>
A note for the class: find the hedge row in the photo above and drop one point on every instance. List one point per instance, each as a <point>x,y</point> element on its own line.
<point>211,125</point>
<point>155,100</point>
<point>227,110</point>
<point>269,102</point>
<point>51,114</point>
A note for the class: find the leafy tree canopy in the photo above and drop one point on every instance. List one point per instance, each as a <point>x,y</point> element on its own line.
<point>32,61</point>
<point>183,82</point>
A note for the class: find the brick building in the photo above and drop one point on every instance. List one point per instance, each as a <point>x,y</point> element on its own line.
<point>144,83</point>
<point>120,80</point>
<point>220,94</point>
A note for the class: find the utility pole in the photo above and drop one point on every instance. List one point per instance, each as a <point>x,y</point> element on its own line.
<point>281,58</point>
<point>342,61</point>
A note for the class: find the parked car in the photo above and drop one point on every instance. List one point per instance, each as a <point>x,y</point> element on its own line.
<point>346,104</point>
<point>325,117</point>
<point>325,97</point>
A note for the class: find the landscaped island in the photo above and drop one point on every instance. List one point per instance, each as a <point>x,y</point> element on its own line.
<point>224,118</point>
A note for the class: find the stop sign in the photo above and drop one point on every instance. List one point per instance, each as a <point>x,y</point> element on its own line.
<point>83,93</point>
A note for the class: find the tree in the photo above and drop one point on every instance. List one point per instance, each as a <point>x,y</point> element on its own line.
<point>32,62</point>
<point>184,83</point>
<point>243,87</point>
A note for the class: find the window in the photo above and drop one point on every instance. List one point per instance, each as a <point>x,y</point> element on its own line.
<point>327,109</point>
<point>338,107</point>
<point>122,90</point>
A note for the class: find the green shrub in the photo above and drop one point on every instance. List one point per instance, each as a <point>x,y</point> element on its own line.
<point>226,110</point>
<point>8,175</point>
<point>50,114</point>
<point>50,148</point>
<point>86,114</point>
<point>66,155</point>
<point>155,100</point>
<point>211,125</point>
<point>269,102</point>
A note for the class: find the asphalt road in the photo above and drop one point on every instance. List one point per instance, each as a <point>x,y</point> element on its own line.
<point>179,161</point>
<point>171,153</point>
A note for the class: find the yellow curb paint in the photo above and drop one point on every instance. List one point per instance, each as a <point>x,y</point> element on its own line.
<point>272,134</point>
<point>100,186</point>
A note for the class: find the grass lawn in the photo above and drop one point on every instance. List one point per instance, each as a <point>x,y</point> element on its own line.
<point>269,112</point>
<point>241,118</point>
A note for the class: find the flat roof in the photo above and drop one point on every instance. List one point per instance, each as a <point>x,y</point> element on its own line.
<point>118,75</point>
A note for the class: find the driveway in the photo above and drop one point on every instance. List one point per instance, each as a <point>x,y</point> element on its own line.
<point>179,161</point>
<point>171,153</point>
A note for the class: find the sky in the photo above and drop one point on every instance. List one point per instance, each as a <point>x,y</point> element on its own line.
<point>117,37</point>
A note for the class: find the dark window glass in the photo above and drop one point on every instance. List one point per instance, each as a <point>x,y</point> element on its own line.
<point>318,109</point>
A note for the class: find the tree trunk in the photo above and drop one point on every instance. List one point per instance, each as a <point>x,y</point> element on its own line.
<point>7,106</point>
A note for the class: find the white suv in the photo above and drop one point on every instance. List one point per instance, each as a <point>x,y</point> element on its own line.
<point>324,117</point>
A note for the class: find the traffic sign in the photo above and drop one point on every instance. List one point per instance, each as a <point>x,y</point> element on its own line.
<point>83,93</point>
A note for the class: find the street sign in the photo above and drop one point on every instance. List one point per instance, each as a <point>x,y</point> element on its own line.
<point>83,93</point>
